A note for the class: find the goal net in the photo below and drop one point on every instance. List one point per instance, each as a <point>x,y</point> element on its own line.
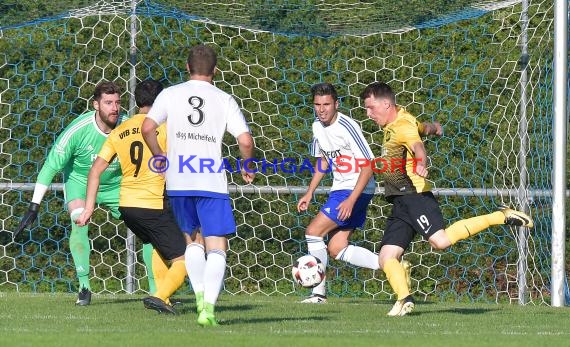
<point>482,69</point>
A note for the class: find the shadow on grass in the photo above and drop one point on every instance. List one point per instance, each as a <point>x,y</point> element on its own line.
<point>96,301</point>
<point>431,307</point>
<point>462,310</point>
<point>191,308</point>
<point>183,305</point>
<point>258,320</point>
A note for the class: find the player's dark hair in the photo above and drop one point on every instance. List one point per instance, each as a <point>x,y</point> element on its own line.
<point>202,60</point>
<point>379,90</point>
<point>322,89</point>
<point>106,88</point>
<point>146,92</point>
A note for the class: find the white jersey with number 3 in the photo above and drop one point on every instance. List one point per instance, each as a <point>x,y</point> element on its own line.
<point>197,114</point>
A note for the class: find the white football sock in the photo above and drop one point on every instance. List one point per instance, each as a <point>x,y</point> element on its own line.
<point>214,272</point>
<point>359,256</point>
<point>318,249</point>
<point>195,260</point>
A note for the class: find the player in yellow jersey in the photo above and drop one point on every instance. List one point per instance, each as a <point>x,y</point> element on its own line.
<point>415,209</point>
<point>142,202</point>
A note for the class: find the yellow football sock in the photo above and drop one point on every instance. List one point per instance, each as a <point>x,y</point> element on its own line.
<point>172,281</point>
<point>465,228</point>
<point>159,269</point>
<point>396,277</point>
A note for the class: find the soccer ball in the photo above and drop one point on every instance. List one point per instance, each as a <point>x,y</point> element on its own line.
<point>308,271</point>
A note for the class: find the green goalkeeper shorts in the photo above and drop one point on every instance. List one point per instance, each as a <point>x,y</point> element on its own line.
<point>108,198</point>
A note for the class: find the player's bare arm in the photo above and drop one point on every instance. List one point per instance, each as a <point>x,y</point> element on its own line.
<point>246,146</point>
<point>99,165</point>
<point>420,157</point>
<point>148,130</point>
<point>305,200</point>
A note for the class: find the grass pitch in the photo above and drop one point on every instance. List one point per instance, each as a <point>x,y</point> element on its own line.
<point>121,320</point>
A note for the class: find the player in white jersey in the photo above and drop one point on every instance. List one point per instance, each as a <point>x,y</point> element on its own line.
<point>339,144</point>
<point>197,114</point>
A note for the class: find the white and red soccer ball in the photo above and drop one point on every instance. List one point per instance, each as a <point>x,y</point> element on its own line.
<point>308,271</point>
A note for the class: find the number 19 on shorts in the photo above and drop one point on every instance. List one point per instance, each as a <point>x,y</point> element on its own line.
<point>423,222</point>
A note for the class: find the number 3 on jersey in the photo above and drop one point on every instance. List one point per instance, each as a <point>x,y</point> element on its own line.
<point>196,117</point>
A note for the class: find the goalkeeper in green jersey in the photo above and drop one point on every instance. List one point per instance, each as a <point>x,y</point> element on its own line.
<point>73,153</point>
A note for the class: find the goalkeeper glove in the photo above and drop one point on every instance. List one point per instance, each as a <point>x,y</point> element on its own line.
<point>29,218</point>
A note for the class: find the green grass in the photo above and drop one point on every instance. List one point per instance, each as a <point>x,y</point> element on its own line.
<point>53,320</point>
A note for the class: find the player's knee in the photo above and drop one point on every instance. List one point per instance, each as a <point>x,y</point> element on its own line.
<point>179,258</point>
<point>382,261</point>
<point>388,253</point>
<point>336,247</point>
<point>75,213</point>
<point>333,251</point>
<point>439,242</point>
<point>312,231</point>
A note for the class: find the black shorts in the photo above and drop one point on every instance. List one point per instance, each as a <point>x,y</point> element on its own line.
<point>157,227</point>
<point>413,213</point>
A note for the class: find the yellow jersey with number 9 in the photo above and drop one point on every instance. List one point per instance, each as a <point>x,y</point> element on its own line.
<point>142,186</point>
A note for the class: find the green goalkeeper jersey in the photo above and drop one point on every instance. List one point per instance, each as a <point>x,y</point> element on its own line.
<point>75,150</point>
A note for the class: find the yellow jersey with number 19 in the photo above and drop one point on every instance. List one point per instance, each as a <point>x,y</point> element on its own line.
<point>141,186</point>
